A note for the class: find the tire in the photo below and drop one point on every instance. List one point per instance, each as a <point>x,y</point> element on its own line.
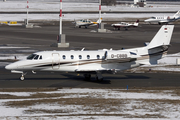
<point>22,78</point>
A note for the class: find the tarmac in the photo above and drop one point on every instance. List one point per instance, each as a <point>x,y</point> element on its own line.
<point>40,39</point>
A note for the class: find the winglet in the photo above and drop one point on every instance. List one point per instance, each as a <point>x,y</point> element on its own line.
<point>82,49</point>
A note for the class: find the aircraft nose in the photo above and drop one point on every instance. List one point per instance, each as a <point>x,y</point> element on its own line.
<point>146,20</point>
<point>10,67</point>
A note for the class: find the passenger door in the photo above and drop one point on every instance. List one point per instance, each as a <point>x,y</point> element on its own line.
<point>55,61</point>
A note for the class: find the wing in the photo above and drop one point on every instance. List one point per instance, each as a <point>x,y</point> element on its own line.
<point>86,24</point>
<point>164,21</point>
<point>105,70</point>
<point>119,60</point>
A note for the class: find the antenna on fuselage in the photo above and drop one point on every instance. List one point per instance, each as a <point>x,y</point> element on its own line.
<point>82,49</point>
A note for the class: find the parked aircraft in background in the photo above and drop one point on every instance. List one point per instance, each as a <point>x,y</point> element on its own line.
<point>98,61</point>
<point>125,25</point>
<point>164,19</point>
<point>86,23</point>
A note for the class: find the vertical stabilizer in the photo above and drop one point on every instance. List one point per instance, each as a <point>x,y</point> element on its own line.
<point>136,23</point>
<point>163,37</point>
<point>177,14</point>
<point>99,20</point>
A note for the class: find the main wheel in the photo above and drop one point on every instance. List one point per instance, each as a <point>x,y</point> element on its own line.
<point>87,76</point>
<point>101,79</point>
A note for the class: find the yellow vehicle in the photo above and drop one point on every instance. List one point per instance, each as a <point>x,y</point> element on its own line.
<point>6,22</point>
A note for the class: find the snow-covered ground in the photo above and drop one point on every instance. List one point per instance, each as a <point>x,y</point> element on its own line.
<point>115,104</point>
<point>72,17</point>
<point>54,6</point>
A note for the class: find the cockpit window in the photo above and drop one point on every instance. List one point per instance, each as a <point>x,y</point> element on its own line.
<point>153,17</point>
<point>30,57</point>
<point>34,56</point>
<point>37,56</point>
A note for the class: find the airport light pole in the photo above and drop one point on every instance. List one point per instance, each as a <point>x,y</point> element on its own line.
<point>26,22</point>
<point>27,12</point>
<point>100,14</point>
<point>61,37</point>
<point>60,19</point>
<point>101,25</point>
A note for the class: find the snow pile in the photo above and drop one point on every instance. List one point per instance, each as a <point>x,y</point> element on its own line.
<point>78,6</point>
<point>54,7</point>
<point>169,59</point>
<point>91,104</point>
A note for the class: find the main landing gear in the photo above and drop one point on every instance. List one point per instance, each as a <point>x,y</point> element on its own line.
<point>87,76</point>
<point>99,77</point>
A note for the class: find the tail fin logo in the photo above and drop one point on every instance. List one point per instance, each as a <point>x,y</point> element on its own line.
<point>165,30</point>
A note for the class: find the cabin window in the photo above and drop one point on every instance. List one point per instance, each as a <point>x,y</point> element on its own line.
<point>88,57</point>
<point>30,57</point>
<point>40,57</point>
<point>37,56</point>
<point>98,57</point>
<point>64,57</point>
<point>72,56</point>
<point>80,56</point>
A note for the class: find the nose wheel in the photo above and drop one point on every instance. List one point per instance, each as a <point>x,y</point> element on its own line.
<point>22,77</point>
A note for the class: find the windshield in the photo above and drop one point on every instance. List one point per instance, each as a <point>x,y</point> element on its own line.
<point>153,17</point>
<point>30,57</point>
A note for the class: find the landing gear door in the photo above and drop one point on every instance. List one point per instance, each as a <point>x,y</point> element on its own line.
<point>55,61</point>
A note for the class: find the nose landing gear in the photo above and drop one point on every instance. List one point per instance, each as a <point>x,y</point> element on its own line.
<point>22,77</point>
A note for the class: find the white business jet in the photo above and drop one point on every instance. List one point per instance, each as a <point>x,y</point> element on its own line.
<point>164,19</point>
<point>125,25</point>
<point>86,23</point>
<point>96,62</point>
